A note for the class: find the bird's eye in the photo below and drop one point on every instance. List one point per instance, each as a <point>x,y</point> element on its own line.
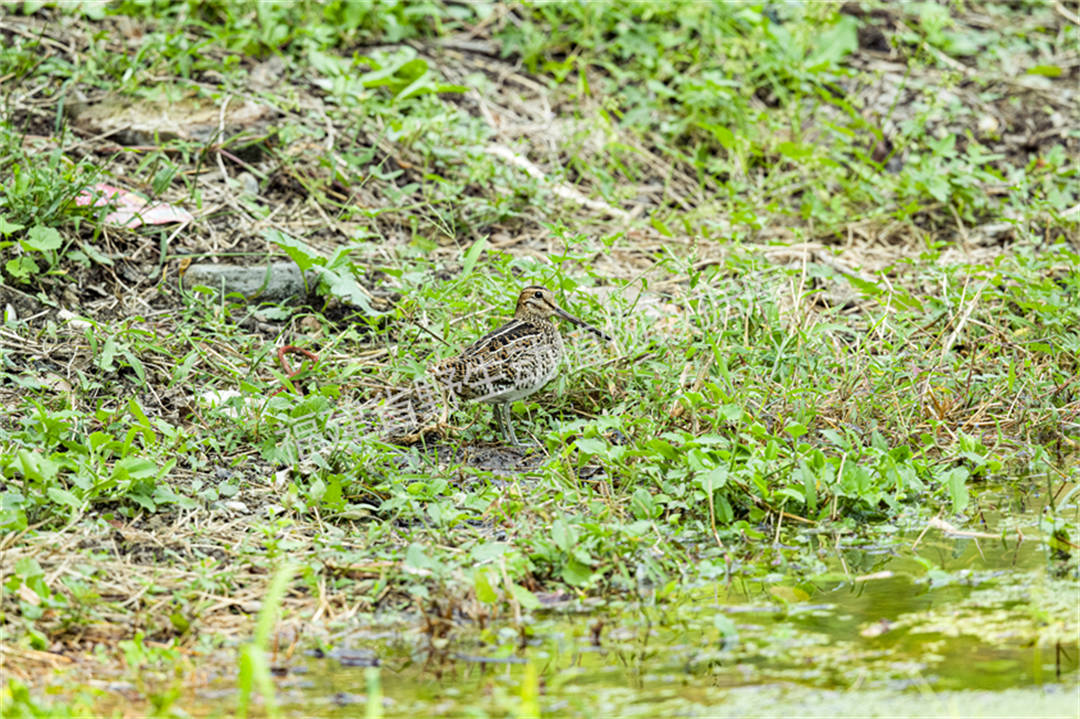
<point>538,295</point>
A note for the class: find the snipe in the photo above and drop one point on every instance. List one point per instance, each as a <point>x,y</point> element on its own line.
<point>514,361</point>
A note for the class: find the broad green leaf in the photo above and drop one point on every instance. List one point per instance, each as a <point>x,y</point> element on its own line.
<point>416,558</point>
<point>663,448</point>
<point>591,445</point>
<point>482,586</point>
<point>642,504</point>
<point>7,228</point>
<point>134,468</point>
<point>344,287</point>
<point>397,76</point>
<point>21,268</point>
<point>724,512</point>
<point>144,501</point>
<point>723,135</point>
<point>714,479</point>
<point>867,288</point>
<point>184,368</point>
<point>796,429</point>
<point>730,412</point>
<point>790,493</point>
<point>834,43</point>
<point>27,568</point>
<point>36,467</point>
<point>63,496</point>
<point>99,439</point>
<point>95,254</point>
<point>575,573</point>
<point>108,353</point>
<point>326,64</point>
<point>303,254</point>
<point>526,598</point>
<point>795,151</point>
<point>955,481</point>
<point>563,535</point>
<point>42,239</point>
<point>725,625</point>
<point>488,551</point>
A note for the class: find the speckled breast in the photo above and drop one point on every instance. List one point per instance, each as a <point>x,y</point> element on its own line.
<point>516,370</point>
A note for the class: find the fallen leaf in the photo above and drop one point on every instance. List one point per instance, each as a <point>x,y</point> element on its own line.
<point>131,210</point>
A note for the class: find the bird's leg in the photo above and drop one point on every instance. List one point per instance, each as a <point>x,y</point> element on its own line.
<point>496,409</point>
<point>502,415</point>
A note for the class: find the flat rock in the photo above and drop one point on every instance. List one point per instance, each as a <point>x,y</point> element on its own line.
<point>272,282</point>
<point>136,121</point>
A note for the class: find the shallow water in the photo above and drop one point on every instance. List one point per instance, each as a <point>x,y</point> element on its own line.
<point>957,626</point>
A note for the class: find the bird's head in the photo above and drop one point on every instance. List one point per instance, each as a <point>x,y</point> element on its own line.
<point>538,301</point>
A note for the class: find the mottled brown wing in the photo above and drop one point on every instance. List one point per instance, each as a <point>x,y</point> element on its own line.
<point>492,364</point>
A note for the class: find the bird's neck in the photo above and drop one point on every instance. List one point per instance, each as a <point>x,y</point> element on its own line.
<point>527,315</point>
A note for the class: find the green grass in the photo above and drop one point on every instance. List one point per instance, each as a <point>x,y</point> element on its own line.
<point>806,331</point>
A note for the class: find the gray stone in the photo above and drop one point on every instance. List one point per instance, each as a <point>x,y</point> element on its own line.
<point>272,282</point>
